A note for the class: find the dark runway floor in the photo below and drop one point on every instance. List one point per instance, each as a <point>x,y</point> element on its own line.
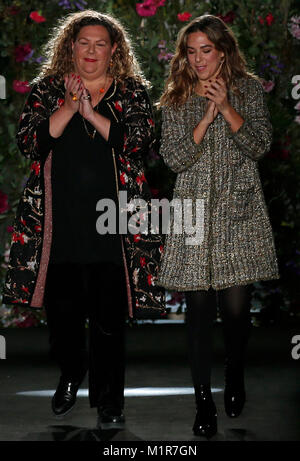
<point>156,361</point>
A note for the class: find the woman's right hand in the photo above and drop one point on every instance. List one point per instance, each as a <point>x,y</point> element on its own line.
<point>211,112</point>
<point>73,84</point>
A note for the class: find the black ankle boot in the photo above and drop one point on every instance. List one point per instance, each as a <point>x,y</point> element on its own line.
<point>206,418</point>
<point>234,394</point>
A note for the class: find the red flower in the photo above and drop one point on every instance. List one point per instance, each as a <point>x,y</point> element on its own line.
<point>60,102</point>
<point>269,19</point>
<point>228,18</point>
<point>36,166</point>
<point>13,10</point>
<point>18,238</point>
<point>154,192</point>
<point>261,20</point>
<point>184,16</point>
<point>37,228</point>
<point>21,87</point>
<point>118,106</point>
<point>150,279</point>
<point>128,166</point>
<point>136,237</point>
<point>10,229</point>
<point>161,249</point>
<point>22,51</point>
<point>37,104</point>
<point>3,202</point>
<point>23,221</point>
<point>25,289</point>
<point>143,261</point>
<point>36,17</point>
<point>123,178</point>
<point>150,121</point>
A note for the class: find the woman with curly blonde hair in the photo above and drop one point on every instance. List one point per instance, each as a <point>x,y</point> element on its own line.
<point>216,127</point>
<point>86,125</point>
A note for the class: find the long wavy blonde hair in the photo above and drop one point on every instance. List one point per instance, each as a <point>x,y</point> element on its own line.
<point>182,78</point>
<point>58,49</point>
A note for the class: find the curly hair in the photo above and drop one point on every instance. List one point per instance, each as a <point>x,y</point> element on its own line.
<point>58,49</point>
<point>182,78</point>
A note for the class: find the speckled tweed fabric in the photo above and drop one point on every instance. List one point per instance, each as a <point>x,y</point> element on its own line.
<point>237,242</point>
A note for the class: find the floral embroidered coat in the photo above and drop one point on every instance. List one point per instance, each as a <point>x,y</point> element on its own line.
<point>31,240</point>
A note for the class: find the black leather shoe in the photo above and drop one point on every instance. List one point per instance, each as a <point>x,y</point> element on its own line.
<point>234,393</point>
<point>110,418</point>
<point>206,418</point>
<point>65,396</point>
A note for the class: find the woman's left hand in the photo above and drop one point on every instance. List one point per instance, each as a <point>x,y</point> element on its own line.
<point>217,92</point>
<point>85,105</point>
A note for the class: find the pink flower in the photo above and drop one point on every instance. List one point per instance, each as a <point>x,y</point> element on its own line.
<point>294,26</point>
<point>148,7</point>
<point>22,51</point>
<point>3,202</point>
<point>21,87</point>
<point>184,16</point>
<point>36,17</point>
<point>268,85</point>
<point>10,229</point>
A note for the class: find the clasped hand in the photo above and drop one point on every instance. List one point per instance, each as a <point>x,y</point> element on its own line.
<point>216,93</point>
<point>82,101</point>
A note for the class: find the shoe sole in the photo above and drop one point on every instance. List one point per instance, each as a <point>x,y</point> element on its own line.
<point>62,415</point>
<point>106,426</point>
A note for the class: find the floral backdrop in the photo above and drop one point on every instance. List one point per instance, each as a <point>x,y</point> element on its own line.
<point>269,35</point>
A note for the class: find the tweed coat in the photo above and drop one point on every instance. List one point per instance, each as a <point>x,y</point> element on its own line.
<point>236,241</point>
<point>31,239</point>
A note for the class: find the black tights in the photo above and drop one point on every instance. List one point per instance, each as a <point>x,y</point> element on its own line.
<point>234,308</point>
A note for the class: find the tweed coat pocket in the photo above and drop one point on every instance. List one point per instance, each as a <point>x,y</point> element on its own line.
<point>242,203</point>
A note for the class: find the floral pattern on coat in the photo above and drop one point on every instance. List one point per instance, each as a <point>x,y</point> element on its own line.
<point>31,239</point>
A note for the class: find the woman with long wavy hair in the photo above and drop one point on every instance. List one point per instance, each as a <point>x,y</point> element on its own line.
<point>86,125</point>
<point>215,129</point>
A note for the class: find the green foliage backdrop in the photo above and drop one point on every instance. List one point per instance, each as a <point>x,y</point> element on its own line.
<point>269,35</point>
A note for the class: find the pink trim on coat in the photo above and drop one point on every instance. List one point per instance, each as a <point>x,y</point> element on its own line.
<point>38,294</point>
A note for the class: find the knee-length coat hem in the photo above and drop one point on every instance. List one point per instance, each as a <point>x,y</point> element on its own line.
<point>217,287</point>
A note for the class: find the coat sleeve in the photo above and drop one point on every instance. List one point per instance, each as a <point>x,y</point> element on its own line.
<point>178,147</point>
<point>33,137</point>
<point>137,121</point>
<point>254,137</point>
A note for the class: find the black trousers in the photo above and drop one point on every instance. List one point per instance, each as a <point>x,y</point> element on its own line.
<point>234,307</point>
<point>97,292</point>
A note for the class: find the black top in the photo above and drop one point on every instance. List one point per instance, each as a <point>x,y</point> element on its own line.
<point>82,174</point>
